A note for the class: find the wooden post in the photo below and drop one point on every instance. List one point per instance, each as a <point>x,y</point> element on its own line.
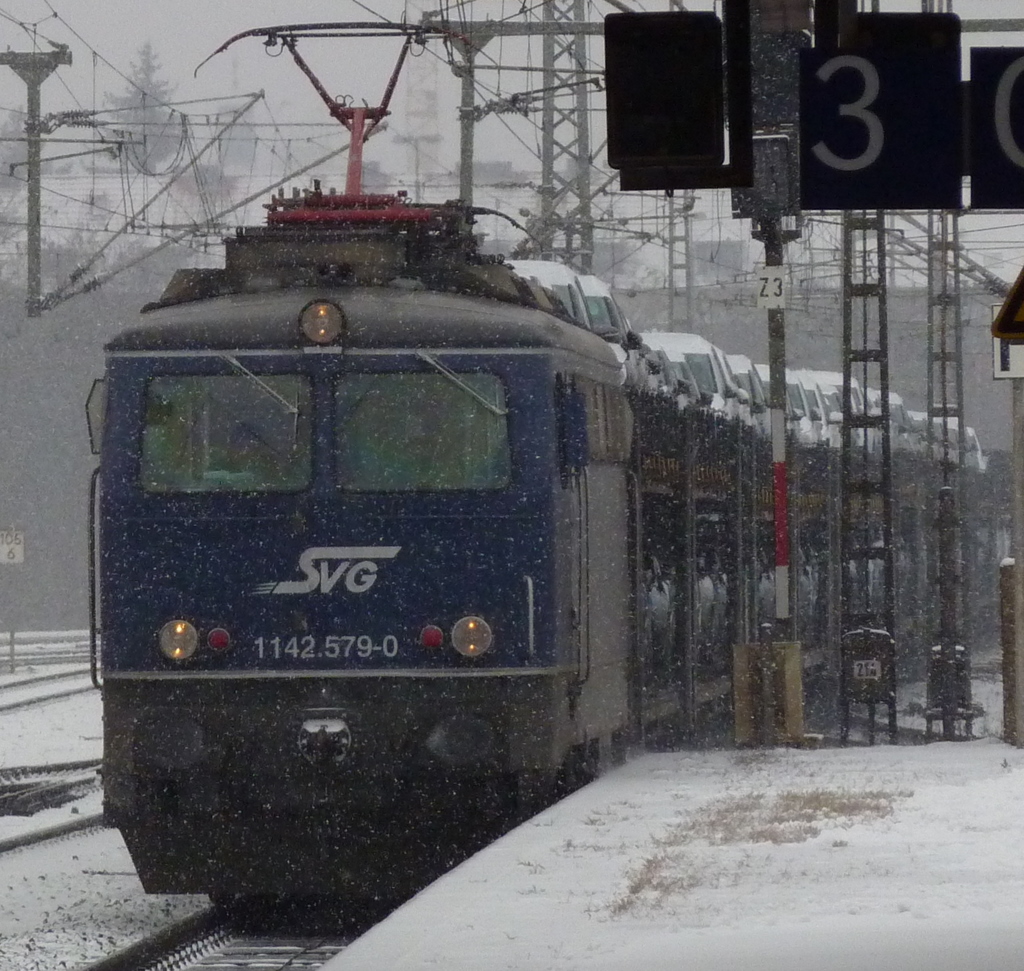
<point>1008,640</point>
<point>743,694</point>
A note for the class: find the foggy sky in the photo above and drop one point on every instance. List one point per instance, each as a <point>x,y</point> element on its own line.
<point>183,32</point>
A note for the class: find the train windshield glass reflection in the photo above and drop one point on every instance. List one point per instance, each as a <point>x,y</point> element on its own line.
<point>422,432</point>
<point>703,372</point>
<point>226,433</point>
<point>796,401</point>
<point>600,316</point>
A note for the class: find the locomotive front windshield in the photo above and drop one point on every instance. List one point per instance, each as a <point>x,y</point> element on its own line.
<point>402,432</point>
<point>394,432</point>
<point>227,433</point>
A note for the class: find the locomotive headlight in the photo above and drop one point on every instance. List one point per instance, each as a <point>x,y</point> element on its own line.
<point>178,640</point>
<point>322,322</point>
<point>472,636</point>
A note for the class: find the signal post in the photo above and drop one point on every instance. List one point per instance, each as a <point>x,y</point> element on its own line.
<point>1008,363</point>
<point>34,68</point>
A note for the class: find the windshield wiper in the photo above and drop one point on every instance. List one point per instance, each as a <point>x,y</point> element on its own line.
<point>241,369</point>
<point>456,380</point>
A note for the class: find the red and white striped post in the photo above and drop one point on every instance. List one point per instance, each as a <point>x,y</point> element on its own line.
<point>780,489</point>
<point>769,231</point>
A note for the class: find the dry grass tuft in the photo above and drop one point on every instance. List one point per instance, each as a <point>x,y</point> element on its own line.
<point>787,817</point>
<point>659,876</point>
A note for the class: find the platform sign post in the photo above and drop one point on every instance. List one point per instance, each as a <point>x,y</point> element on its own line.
<point>1018,554</point>
<point>12,553</point>
<point>12,546</point>
<point>1008,334</point>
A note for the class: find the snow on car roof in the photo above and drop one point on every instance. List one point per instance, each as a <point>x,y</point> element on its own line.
<point>676,345</point>
<point>807,379</point>
<point>832,379</point>
<point>740,363</point>
<point>594,286</point>
<point>546,271</point>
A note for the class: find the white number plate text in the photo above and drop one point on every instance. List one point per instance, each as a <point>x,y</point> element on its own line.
<point>331,647</point>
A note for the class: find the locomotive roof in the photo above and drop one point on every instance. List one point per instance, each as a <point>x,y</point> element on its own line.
<point>377,317</point>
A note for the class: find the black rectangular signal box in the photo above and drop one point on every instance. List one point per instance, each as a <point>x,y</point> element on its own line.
<point>665,84</point>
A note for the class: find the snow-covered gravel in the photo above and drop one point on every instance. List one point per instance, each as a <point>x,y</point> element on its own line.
<point>68,902</point>
<point>64,730</point>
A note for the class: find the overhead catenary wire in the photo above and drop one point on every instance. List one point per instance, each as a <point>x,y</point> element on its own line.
<point>460,11</point>
<point>75,287</point>
<point>85,267</point>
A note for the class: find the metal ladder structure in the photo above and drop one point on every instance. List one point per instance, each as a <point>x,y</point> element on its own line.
<point>679,257</point>
<point>949,668</point>
<point>566,226</point>
<point>866,561</point>
<point>563,228</point>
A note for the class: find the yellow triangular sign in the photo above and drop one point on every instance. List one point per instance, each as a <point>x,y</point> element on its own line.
<point>1008,324</point>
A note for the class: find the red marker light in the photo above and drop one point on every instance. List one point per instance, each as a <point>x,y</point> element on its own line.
<point>219,639</point>
<point>431,636</point>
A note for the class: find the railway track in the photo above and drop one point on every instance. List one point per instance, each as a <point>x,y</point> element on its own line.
<point>37,699</point>
<point>27,789</point>
<point>81,825</point>
<point>209,940</point>
<point>11,686</point>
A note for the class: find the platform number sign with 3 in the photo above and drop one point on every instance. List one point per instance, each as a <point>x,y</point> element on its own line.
<point>867,669</point>
<point>873,121</point>
<point>771,287</point>
<point>12,546</point>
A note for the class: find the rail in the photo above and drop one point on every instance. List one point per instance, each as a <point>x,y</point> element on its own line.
<point>34,700</point>
<point>44,647</point>
<point>187,936</point>
<point>59,831</point>
<point>26,790</point>
<point>207,939</point>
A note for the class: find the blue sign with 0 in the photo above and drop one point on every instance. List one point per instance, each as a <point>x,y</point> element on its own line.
<point>997,128</point>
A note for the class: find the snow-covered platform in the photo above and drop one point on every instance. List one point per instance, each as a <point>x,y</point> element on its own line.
<point>837,859</point>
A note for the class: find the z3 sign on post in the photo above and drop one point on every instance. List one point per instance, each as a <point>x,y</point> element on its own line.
<point>876,129</point>
<point>771,287</point>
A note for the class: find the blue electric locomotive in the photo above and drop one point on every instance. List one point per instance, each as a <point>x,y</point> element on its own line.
<point>385,539</point>
<point>365,541</point>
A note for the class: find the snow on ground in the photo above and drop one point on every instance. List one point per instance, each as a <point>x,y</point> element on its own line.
<point>68,902</point>
<point>27,672</point>
<point>837,859</point>
<point>63,730</point>
<point>71,902</point>
<point>20,694</point>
